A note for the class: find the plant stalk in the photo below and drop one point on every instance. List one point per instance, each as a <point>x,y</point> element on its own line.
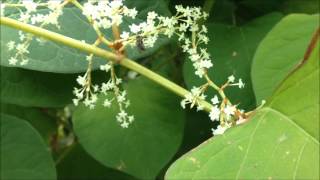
<point>130,64</point>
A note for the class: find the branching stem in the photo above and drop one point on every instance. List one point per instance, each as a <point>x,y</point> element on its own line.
<point>91,49</point>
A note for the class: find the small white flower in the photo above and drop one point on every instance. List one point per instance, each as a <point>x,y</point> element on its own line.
<point>183,103</point>
<point>200,107</point>
<point>95,88</point>
<point>183,27</point>
<point>133,13</point>
<point>107,103</point>
<point>21,36</point>
<point>124,124</point>
<point>118,81</point>
<point>105,67</point>
<point>22,49</point>
<point>130,119</point>
<point>214,113</point>
<point>75,102</point>
<point>220,130</point>
<point>54,4</point>
<point>125,35</point>
<point>122,97</point>
<point>229,111</point>
<point>134,28</point>
<point>231,78</point>
<point>81,80</point>
<point>106,87</point>
<point>116,19</point>
<point>122,114</point>
<point>11,45</point>
<point>215,100</point>
<point>127,103</point>
<point>206,64</point>
<point>195,57</point>
<point>204,29</point>
<point>240,84</point>
<point>115,4</point>
<point>13,61</point>
<point>30,5</point>
<point>152,15</point>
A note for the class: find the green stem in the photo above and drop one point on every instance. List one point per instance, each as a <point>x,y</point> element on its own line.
<point>207,6</point>
<point>130,64</point>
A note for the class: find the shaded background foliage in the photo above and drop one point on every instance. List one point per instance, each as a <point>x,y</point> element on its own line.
<point>86,144</point>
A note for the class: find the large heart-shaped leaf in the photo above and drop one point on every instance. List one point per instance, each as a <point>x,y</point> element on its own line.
<point>281,141</point>
<point>147,145</point>
<point>280,52</point>
<point>232,49</point>
<point>60,59</point>
<point>24,154</point>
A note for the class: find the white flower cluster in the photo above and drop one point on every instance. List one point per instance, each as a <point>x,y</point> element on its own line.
<point>88,93</point>
<point>183,22</point>
<point>223,112</point>
<point>108,12</point>
<point>194,98</point>
<point>226,114</point>
<point>30,15</point>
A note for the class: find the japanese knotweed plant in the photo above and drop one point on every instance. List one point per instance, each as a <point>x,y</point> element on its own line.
<point>186,24</point>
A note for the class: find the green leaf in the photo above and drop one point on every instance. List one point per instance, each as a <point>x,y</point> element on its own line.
<point>147,145</point>
<point>37,89</point>
<point>280,51</point>
<point>232,50</point>
<point>281,141</point>
<point>79,165</point>
<point>24,155</point>
<point>298,96</point>
<point>61,59</point>
<point>42,122</point>
<point>269,147</point>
